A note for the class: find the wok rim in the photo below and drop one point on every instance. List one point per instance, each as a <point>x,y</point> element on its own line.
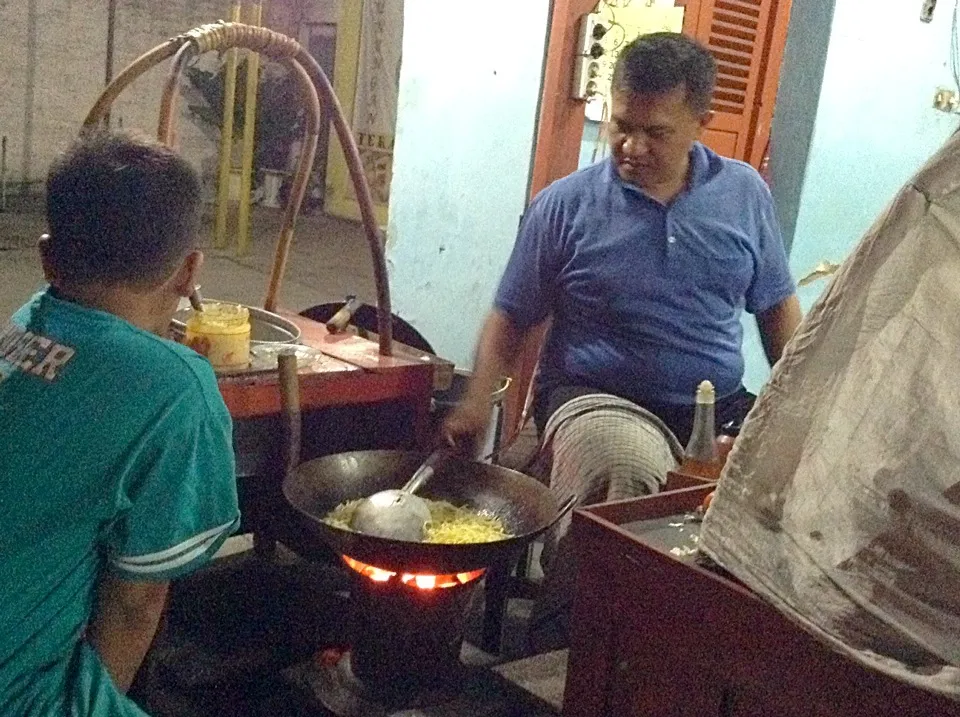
<point>416,557</point>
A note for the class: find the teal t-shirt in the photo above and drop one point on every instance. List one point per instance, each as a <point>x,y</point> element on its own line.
<point>115,454</point>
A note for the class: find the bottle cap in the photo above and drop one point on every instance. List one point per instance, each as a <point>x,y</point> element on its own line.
<point>705,392</point>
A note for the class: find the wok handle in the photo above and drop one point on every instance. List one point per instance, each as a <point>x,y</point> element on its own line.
<point>290,408</point>
<point>338,322</point>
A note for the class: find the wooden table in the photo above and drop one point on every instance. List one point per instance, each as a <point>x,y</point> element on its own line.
<point>655,634</point>
<point>354,372</point>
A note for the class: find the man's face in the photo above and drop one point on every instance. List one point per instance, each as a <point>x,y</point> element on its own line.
<point>651,135</point>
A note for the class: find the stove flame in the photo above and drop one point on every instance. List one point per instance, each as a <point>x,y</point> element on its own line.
<point>421,582</point>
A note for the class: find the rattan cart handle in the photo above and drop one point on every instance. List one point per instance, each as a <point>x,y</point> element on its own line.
<point>221,36</point>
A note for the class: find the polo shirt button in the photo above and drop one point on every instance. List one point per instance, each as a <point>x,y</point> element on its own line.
<point>671,240</point>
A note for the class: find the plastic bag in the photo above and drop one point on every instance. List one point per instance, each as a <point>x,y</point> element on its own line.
<point>840,502</point>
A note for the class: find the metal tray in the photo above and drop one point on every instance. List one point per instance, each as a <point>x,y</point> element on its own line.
<point>266,327</point>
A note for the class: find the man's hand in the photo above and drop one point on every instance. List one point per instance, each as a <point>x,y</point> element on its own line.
<point>500,341</point>
<point>124,624</point>
<point>467,425</point>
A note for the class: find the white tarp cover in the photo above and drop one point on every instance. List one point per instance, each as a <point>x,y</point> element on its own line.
<point>840,502</point>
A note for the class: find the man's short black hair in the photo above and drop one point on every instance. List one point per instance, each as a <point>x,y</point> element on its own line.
<point>121,209</point>
<point>663,61</point>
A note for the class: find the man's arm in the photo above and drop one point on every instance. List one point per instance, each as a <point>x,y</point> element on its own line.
<point>777,325</point>
<point>497,349</point>
<point>124,624</point>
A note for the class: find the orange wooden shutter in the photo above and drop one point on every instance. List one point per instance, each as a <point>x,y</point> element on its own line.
<point>746,38</point>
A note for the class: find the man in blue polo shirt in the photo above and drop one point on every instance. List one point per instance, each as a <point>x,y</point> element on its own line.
<point>645,263</point>
<point>117,469</point>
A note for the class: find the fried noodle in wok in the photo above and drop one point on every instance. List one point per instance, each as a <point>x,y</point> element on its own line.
<point>448,524</point>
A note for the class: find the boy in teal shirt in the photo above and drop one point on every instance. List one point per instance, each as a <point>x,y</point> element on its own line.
<point>117,469</point>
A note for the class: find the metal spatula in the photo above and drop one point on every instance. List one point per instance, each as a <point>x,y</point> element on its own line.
<point>399,514</point>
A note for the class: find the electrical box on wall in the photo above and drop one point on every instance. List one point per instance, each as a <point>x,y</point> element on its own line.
<point>592,58</point>
<point>602,35</point>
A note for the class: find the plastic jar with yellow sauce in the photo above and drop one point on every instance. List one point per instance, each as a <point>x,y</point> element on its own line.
<point>221,332</point>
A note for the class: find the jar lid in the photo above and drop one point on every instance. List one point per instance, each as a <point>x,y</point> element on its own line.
<point>219,315</point>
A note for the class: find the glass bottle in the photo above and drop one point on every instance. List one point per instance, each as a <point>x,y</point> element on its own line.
<point>701,457</point>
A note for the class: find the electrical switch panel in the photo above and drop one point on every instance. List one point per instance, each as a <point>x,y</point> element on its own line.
<point>592,62</point>
<point>603,35</point>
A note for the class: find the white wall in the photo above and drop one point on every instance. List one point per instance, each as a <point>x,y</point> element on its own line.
<point>469,88</point>
<point>53,54</point>
<point>875,125</point>
<point>844,147</point>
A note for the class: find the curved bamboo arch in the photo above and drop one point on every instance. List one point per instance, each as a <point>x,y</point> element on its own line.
<point>316,87</point>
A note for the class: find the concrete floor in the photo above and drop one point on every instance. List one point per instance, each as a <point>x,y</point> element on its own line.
<point>328,260</point>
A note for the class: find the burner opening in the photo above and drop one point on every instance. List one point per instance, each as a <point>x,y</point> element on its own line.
<point>424,582</point>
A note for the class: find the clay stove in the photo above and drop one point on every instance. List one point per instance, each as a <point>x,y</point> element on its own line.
<point>405,654</point>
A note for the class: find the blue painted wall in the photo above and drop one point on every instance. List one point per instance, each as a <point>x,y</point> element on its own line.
<point>842,152</point>
<point>469,87</point>
<point>875,126</point>
<point>798,98</point>
<point>593,147</point>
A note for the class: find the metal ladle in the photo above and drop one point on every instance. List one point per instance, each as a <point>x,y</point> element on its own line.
<point>399,514</point>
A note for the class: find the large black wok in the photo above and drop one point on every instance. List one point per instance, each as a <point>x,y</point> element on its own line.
<point>526,507</point>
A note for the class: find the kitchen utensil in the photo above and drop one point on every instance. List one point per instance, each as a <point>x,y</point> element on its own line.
<point>399,514</point>
<point>338,322</point>
<point>196,299</point>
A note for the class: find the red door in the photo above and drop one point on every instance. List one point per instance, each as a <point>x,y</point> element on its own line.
<point>747,39</point>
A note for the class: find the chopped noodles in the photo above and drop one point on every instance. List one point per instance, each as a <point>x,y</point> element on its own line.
<point>448,524</point>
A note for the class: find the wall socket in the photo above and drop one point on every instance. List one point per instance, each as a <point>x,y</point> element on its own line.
<point>588,68</point>
<point>946,100</point>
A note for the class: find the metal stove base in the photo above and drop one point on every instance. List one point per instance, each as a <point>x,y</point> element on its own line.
<point>479,693</point>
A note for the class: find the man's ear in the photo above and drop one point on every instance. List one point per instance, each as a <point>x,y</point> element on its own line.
<point>187,276</point>
<point>43,246</point>
<point>705,119</point>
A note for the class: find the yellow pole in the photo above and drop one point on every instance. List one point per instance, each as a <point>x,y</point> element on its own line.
<point>249,121</point>
<point>226,140</point>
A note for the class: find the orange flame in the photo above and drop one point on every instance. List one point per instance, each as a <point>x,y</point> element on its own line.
<point>422,582</point>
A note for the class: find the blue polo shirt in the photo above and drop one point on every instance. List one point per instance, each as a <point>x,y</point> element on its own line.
<point>646,298</point>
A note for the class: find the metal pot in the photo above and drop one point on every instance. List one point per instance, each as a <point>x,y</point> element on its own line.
<point>443,402</point>
<point>266,327</point>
